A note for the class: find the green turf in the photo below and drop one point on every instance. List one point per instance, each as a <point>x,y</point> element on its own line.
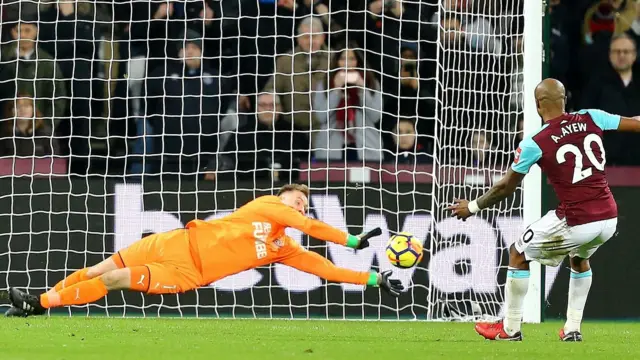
<point>190,339</point>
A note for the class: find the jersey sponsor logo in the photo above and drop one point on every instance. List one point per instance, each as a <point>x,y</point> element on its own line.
<point>261,249</point>
<point>261,230</point>
<point>278,242</point>
<point>517,158</point>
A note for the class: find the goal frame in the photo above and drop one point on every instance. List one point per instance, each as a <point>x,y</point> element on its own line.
<point>534,14</point>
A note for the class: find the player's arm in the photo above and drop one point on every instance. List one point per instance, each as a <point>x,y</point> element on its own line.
<point>312,263</point>
<point>607,121</point>
<point>527,155</point>
<point>499,191</point>
<point>278,212</point>
<point>629,124</point>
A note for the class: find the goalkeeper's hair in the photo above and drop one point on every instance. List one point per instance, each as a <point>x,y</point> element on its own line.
<point>294,187</point>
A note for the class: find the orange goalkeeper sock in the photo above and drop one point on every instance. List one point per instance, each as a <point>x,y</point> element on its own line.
<point>81,293</point>
<point>76,277</point>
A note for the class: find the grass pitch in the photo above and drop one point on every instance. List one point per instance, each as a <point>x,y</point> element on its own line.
<point>116,338</point>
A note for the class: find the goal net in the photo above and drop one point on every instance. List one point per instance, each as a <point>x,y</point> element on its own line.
<point>132,118</point>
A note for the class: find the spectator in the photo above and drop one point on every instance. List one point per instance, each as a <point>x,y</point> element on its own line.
<point>415,97</point>
<point>334,15</point>
<point>203,16</point>
<point>151,31</point>
<point>143,42</point>
<point>450,7</point>
<point>616,89</point>
<point>263,143</point>
<point>610,16</point>
<point>25,132</point>
<point>387,21</point>
<point>277,37</point>
<point>451,34</point>
<point>516,76</point>
<point>349,114</point>
<point>406,148</point>
<point>28,69</point>
<point>634,31</point>
<point>481,151</point>
<point>184,102</point>
<point>70,37</point>
<point>472,90</point>
<point>480,32</point>
<point>272,38</point>
<point>311,59</point>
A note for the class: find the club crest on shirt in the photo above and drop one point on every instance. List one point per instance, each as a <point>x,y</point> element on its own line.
<point>517,158</point>
<point>277,244</point>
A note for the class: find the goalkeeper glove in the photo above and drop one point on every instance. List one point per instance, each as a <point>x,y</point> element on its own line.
<point>391,286</point>
<point>362,241</point>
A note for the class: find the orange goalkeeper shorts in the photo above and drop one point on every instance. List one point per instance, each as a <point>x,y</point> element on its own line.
<point>161,263</point>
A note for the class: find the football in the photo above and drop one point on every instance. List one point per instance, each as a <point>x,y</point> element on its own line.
<point>404,250</point>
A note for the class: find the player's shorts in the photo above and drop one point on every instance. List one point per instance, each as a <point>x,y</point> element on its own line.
<point>161,263</point>
<point>549,240</point>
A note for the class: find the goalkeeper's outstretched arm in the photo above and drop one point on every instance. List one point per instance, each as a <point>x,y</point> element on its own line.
<point>286,216</point>
<point>313,263</point>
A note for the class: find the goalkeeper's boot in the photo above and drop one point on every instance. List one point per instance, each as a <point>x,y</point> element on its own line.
<point>495,331</point>
<point>571,336</point>
<point>15,312</point>
<point>27,302</point>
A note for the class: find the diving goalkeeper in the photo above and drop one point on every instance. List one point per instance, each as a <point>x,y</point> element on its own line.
<point>206,251</point>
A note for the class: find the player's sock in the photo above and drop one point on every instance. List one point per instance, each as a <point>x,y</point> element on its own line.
<point>76,277</point>
<point>81,293</point>
<point>515,291</point>
<point>579,285</point>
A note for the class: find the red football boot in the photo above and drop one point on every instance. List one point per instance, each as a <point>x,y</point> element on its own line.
<point>571,336</point>
<point>495,331</point>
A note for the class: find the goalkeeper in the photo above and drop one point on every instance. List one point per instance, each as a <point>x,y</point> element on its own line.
<point>206,251</point>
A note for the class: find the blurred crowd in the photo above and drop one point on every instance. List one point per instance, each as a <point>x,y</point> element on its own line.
<point>242,87</point>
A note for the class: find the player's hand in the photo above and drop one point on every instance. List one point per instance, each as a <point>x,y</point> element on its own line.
<point>364,242</point>
<point>364,238</point>
<point>460,209</point>
<point>339,79</point>
<point>391,286</point>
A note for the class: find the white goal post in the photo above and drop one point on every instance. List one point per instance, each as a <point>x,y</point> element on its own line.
<point>145,115</point>
<point>532,190</point>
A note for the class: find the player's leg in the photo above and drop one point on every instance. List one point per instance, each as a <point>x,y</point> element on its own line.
<point>521,253</point>
<point>139,250</point>
<point>167,278</point>
<point>579,285</point>
<point>172,272</point>
<point>80,293</point>
<point>515,291</point>
<point>87,273</point>
<point>76,277</point>
<point>581,273</point>
<point>516,288</point>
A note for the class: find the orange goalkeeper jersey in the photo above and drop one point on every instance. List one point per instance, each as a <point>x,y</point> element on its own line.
<point>254,235</point>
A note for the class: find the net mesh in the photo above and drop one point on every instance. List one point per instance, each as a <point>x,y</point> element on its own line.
<point>123,119</point>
